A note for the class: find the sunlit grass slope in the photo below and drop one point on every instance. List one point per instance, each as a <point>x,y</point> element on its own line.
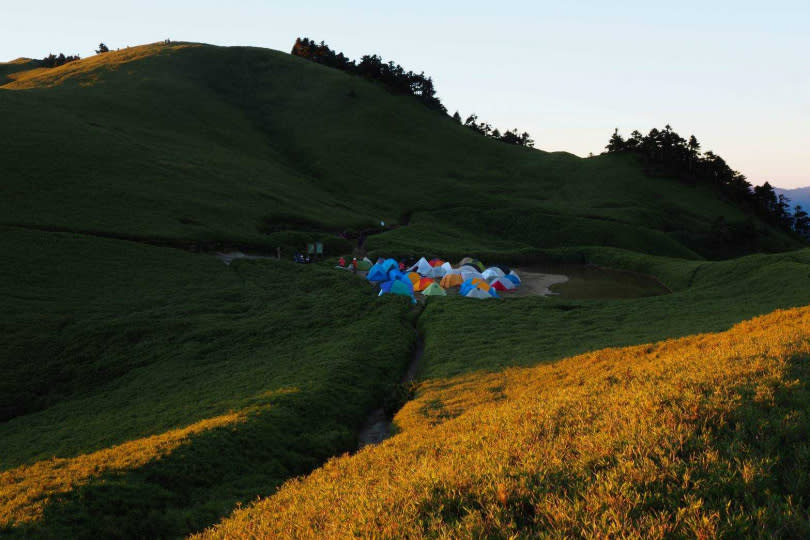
<point>703,436</point>
<point>190,142</point>
<point>113,350</point>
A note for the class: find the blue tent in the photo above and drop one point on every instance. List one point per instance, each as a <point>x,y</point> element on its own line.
<point>403,288</point>
<point>376,273</point>
<point>394,275</point>
<point>381,270</point>
<point>468,286</point>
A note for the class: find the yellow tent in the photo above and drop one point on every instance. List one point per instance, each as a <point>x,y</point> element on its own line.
<point>414,277</point>
<point>451,280</point>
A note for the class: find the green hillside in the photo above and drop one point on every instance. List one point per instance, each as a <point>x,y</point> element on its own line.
<point>146,390</point>
<point>200,143</point>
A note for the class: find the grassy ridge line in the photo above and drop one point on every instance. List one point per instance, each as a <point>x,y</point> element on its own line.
<point>15,66</point>
<point>700,436</point>
<point>83,71</point>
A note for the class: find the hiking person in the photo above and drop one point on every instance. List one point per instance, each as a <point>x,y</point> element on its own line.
<point>354,265</point>
<point>342,262</point>
<point>401,266</point>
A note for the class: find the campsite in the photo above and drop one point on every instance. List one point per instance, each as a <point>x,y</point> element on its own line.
<point>257,292</point>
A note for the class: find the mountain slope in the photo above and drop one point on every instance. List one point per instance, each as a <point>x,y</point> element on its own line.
<point>199,143</point>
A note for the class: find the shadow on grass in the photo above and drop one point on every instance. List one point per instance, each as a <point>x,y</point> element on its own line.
<point>203,480</point>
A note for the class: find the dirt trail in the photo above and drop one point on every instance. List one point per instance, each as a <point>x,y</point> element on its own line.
<point>534,283</point>
<point>377,426</point>
<point>230,256</point>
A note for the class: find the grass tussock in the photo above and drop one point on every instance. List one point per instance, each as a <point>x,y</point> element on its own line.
<point>702,436</point>
<point>25,491</point>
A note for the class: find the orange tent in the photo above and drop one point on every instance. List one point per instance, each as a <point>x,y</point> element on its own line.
<point>414,277</point>
<point>480,284</point>
<point>451,280</point>
<point>422,284</point>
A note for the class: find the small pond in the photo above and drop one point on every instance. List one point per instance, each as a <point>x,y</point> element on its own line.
<point>585,282</point>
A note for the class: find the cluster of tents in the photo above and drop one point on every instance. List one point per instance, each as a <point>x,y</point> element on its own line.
<point>434,277</point>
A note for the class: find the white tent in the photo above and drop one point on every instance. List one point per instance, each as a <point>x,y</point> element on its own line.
<point>475,292</point>
<point>469,273</point>
<point>438,272</point>
<point>514,276</point>
<point>492,273</point>
<point>422,267</point>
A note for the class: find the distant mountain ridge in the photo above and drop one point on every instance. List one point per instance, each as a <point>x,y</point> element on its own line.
<point>798,196</point>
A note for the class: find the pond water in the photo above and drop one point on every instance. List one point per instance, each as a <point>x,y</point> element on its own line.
<point>585,282</point>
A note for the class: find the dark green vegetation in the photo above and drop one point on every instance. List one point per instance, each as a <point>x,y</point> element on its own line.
<point>106,340</point>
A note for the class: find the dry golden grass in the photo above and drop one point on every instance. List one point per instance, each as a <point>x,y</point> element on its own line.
<point>647,441</point>
<point>26,491</point>
<point>85,70</point>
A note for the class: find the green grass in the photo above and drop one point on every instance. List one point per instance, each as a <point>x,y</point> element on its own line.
<point>107,341</point>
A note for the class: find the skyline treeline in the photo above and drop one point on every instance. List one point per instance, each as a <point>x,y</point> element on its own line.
<point>665,152</point>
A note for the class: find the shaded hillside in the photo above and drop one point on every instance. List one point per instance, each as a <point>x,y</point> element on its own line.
<point>199,143</point>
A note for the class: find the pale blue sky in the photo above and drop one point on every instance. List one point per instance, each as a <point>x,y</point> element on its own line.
<point>733,73</point>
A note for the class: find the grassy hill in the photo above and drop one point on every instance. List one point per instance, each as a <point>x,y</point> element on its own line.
<point>191,142</point>
<point>146,391</point>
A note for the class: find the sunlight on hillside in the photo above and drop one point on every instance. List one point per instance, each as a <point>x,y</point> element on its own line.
<point>27,490</point>
<point>697,437</point>
<point>84,70</point>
